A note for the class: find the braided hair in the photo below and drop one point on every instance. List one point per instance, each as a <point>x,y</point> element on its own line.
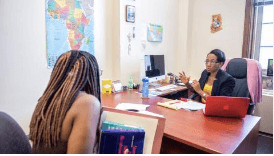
<point>73,72</point>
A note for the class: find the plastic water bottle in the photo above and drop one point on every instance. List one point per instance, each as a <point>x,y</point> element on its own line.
<point>145,91</point>
<point>130,82</point>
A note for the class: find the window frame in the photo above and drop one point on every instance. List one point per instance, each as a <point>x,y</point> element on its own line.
<point>253,28</point>
<point>252,35</point>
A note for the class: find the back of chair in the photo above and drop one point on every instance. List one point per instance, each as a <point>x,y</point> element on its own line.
<point>237,68</point>
<point>13,140</point>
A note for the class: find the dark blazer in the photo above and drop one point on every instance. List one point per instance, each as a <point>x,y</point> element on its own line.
<point>223,84</point>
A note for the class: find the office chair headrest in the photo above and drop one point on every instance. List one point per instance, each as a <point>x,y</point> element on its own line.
<point>237,68</point>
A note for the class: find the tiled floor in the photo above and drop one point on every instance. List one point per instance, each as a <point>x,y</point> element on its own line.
<point>265,144</point>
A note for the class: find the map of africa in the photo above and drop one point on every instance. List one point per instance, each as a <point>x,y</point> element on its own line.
<point>69,26</point>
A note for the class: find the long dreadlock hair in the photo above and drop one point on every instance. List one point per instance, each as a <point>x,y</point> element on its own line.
<point>73,72</point>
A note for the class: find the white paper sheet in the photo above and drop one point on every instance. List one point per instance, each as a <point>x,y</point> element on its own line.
<point>150,113</point>
<point>154,93</point>
<point>132,106</point>
<point>191,105</point>
<point>182,84</point>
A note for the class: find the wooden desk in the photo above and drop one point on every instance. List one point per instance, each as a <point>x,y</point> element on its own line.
<point>192,128</point>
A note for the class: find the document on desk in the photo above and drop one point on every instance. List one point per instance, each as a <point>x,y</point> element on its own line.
<point>170,104</point>
<point>182,84</point>
<point>154,93</point>
<point>191,105</point>
<point>150,113</point>
<point>132,107</point>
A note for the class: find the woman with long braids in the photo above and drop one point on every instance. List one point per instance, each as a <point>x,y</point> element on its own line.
<point>67,116</point>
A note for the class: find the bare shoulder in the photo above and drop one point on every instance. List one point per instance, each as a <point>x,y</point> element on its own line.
<point>85,112</point>
<point>85,101</point>
<point>84,108</point>
<point>84,98</point>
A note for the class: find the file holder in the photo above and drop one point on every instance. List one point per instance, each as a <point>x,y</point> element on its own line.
<point>153,138</point>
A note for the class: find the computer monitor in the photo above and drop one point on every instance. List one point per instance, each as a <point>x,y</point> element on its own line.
<point>270,67</point>
<point>155,67</point>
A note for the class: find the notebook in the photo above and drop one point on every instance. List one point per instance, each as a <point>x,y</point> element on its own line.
<point>224,106</point>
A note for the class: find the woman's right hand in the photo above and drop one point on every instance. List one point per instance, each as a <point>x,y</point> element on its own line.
<point>184,78</point>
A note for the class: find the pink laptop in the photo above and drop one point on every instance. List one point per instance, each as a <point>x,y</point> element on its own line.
<point>225,106</point>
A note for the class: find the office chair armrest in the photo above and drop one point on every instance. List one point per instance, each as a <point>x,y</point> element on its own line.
<point>252,103</point>
<point>251,108</point>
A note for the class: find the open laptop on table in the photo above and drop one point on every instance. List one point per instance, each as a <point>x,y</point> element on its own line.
<point>226,106</point>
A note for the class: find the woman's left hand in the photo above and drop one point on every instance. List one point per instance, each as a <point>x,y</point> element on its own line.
<point>196,86</point>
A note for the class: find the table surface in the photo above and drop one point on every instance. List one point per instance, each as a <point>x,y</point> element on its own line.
<point>210,134</point>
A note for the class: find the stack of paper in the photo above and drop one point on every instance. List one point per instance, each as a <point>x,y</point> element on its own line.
<point>150,113</point>
<point>177,104</point>
<point>170,104</point>
<point>140,108</point>
<point>132,107</point>
<point>191,105</point>
<point>154,93</point>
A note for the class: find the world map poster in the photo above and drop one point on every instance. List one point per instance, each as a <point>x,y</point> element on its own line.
<point>69,26</point>
<point>154,33</point>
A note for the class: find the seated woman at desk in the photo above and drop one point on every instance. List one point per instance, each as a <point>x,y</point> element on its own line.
<point>214,81</point>
<point>68,113</point>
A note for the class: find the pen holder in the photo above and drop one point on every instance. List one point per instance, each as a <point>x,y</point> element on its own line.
<point>125,88</point>
<point>136,86</point>
<point>171,80</point>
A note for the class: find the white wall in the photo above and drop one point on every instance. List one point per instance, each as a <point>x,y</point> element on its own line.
<point>103,36</point>
<point>162,12</point>
<point>23,68</point>
<point>116,66</point>
<point>201,41</point>
<point>183,56</point>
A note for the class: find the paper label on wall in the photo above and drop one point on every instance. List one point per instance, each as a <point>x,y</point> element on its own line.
<point>69,26</point>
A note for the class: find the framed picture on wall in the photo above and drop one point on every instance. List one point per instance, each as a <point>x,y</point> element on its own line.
<point>154,33</point>
<point>130,13</point>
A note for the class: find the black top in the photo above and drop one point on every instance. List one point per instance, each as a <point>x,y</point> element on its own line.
<point>223,84</point>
